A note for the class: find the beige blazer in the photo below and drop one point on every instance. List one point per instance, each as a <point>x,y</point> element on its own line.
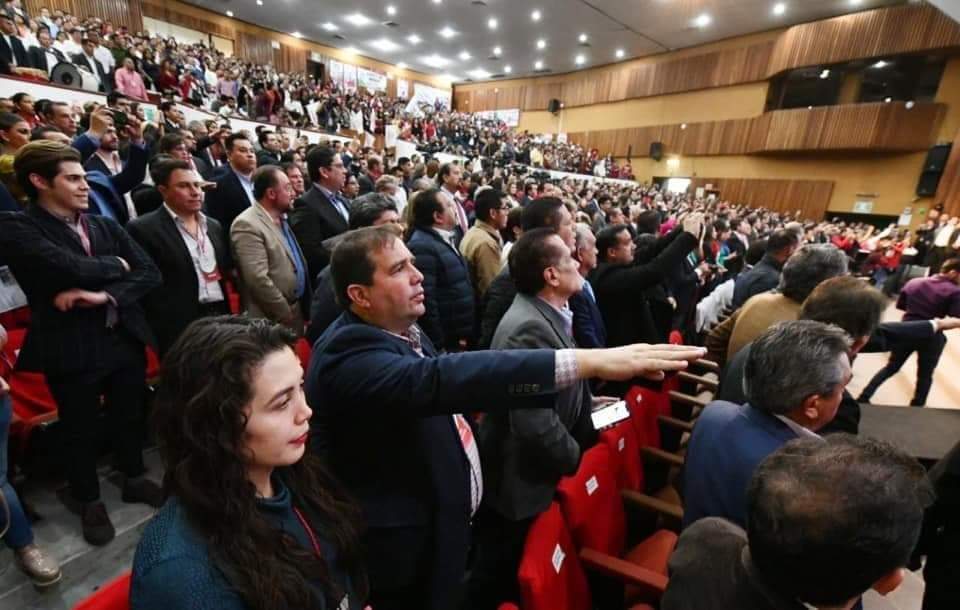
<point>268,276</point>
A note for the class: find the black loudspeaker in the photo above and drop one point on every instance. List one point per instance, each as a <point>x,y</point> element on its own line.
<point>932,170</point>
<point>554,106</point>
<point>656,150</point>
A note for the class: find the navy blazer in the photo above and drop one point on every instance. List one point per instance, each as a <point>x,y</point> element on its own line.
<point>728,443</point>
<point>227,201</point>
<point>448,291</point>
<point>588,328</point>
<point>381,419</point>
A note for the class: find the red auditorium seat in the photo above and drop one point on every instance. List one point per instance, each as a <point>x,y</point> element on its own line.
<point>33,405</point>
<point>303,350</point>
<point>550,575</point>
<point>621,440</point>
<point>115,595</point>
<point>593,509</point>
<point>233,298</point>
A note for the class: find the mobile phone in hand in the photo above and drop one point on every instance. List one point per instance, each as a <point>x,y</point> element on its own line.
<point>610,414</point>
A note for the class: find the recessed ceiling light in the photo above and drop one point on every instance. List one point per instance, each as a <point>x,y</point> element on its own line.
<point>809,107</point>
<point>414,39</point>
<point>683,125</point>
<point>464,55</point>
<point>351,50</point>
<point>582,38</point>
<point>297,35</point>
<point>620,53</point>
<point>909,104</point>
<point>888,99</point>
<point>702,20</point>
<point>856,2</point>
<point>391,9</point>
<point>435,61</point>
<point>358,19</point>
<point>447,32</point>
<point>507,69</point>
<point>479,74</point>
<point>825,74</point>
<point>492,23</point>
<point>538,65</point>
<point>437,1</point>
<point>541,43</point>
<point>259,2</point>
<point>579,59</point>
<point>229,13</point>
<point>385,45</point>
<point>535,15</point>
<point>880,64</point>
<point>497,50</point>
<point>779,8</point>
<point>401,66</point>
<point>330,27</point>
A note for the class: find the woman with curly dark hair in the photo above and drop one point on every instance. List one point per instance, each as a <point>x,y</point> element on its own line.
<point>251,520</point>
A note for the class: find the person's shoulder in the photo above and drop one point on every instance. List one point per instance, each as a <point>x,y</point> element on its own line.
<point>168,536</point>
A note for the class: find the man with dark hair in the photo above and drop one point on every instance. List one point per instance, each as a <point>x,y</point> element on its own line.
<point>450,305</point>
<point>369,176</point>
<point>827,520</point>
<point>83,276</point>
<point>448,180</point>
<point>269,148</point>
<point>922,298</point>
<point>406,166</point>
<point>271,266</point>
<point>525,453</point>
<point>543,212</point>
<point>793,379</point>
<point>765,276</point>
<point>59,115</point>
<point>190,249</point>
<point>375,380</point>
<point>89,62</point>
<point>234,191</point>
<point>322,212</point>
<point>482,245</point>
<point>621,285</point>
<point>588,327</point>
<point>12,49</point>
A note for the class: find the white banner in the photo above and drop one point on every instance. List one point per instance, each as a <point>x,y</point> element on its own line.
<point>370,80</point>
<point>425,94</point>
<point>511,117</point>
<point>403,88</point>
<point>349,78</point>
<point>336,72</point>
<point>390,135</point>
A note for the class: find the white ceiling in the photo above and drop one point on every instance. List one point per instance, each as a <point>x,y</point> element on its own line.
<point>637,27</point>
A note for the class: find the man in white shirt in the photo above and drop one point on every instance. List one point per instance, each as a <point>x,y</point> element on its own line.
<point>71,46</point>
<point>102,53</point>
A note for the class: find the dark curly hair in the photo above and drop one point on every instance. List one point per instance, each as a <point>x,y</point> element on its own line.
<point>200,417</point>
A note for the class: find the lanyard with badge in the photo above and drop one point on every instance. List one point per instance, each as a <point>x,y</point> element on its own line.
<point>213,273</point>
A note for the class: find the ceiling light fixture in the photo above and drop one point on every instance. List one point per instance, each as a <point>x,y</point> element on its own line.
<point>435,61</point>
<point>538,65</point>
<point>579,60</point>
<point>535,15</point>
<point>702,20</point>
<point>582,38</point>
<point>351,50</point>
<point>888,99</point>
<point>447,32</point>
<point>401,66</point>
<point>464,56</point>
<point>330,27</point>
<point>492,23</point>
<point>541,43</point>
<point>825,74</point>
<point>779,8</point>
<point>856,2</point>
<point>414,39</point>
<point>683,125</point>
<point>297,35</point>
<point>620,53</point>
<point>479,74</point>
<point>497,51</point>
<point>507,69</point>
<point>391,9</point>
<point>880,64</point>
<point>229,13</point>
<point>357,19</point>
<point>385,45</point>
<point>909,104</point>
<point>259,2</point>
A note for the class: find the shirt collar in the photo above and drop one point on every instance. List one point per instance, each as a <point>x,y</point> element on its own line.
<point>799,430</point>
<point>243,179</point>
<point>200,217</point>
<point>411,337</point>
<point>565,313</point>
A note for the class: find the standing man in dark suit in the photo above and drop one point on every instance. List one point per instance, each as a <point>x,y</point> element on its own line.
<point>449,182</point>
<point>88,61</point>
<point>387,416</point>
<point>322,212</point>
<point>83,277</point>
<point>190,249</point>
<point>526,452</point>
<point>234,192</point>
<point>765,275</point>
<point>795,377</point>
<point>269,148</point>
<point>11,47</point>
<point>588,327</point>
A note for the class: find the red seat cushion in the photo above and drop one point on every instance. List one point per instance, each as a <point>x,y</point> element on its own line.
<point>652,554</point>
<point>550,574</point>
<point>115,595</point>
<point>621,440</point>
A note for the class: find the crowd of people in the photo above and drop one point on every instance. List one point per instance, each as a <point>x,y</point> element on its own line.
<point>464,320</point>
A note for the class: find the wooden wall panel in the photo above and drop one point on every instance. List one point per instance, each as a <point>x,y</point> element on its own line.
<point>289,59</point>
<point>877,127</point>
<point>253,48</point>
<point>878,33</point>
<point>117,12</point>
<point>811,197</point>
<point>948,191</point>
<point>157,9</point>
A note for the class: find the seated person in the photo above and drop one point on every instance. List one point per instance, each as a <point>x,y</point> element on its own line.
<point>794,380</point>
<point>828,520</point>
<point>251,520</point>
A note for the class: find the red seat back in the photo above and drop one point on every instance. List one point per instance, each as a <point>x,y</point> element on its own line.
<point>621,440</point>
<point>644,404</point>
<point>550,574</point>
<point>115,595</point>
<point>303,349</point>
<point>591,504</point>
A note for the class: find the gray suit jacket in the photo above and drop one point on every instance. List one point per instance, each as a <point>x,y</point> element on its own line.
<point>526,451</point>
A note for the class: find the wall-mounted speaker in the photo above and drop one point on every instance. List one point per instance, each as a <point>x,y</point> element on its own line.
<point>554,106</point>
<point>933,168</point>
<point>656,150</point>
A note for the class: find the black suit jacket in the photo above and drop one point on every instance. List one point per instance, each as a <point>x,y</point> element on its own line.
<point>225,202</point>
<point>203,168</point>
<point>313,220</point>
<point>92,64</point>
<point>47,258</point>
<point>96,164</point>
<point>17,51</point>
<point>382,420</point>
<point>175,303</point>
<point>38,57</point>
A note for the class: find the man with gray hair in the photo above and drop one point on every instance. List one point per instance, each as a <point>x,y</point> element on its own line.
<point>794,379</point>
<point>802,273</point>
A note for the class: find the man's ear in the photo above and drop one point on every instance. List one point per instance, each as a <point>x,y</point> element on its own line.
<point>358,295</point>
<point>889,582</point>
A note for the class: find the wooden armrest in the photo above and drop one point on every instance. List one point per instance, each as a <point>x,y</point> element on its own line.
<point>686,399</point>
<point>706,382</point>
<point>652,585</point>
<point>664,456</point>
<point>708,365</point>
<point>673,422</point>
<point>635,498</point>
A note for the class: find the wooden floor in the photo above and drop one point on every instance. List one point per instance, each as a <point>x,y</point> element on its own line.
<point>898,390</point>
